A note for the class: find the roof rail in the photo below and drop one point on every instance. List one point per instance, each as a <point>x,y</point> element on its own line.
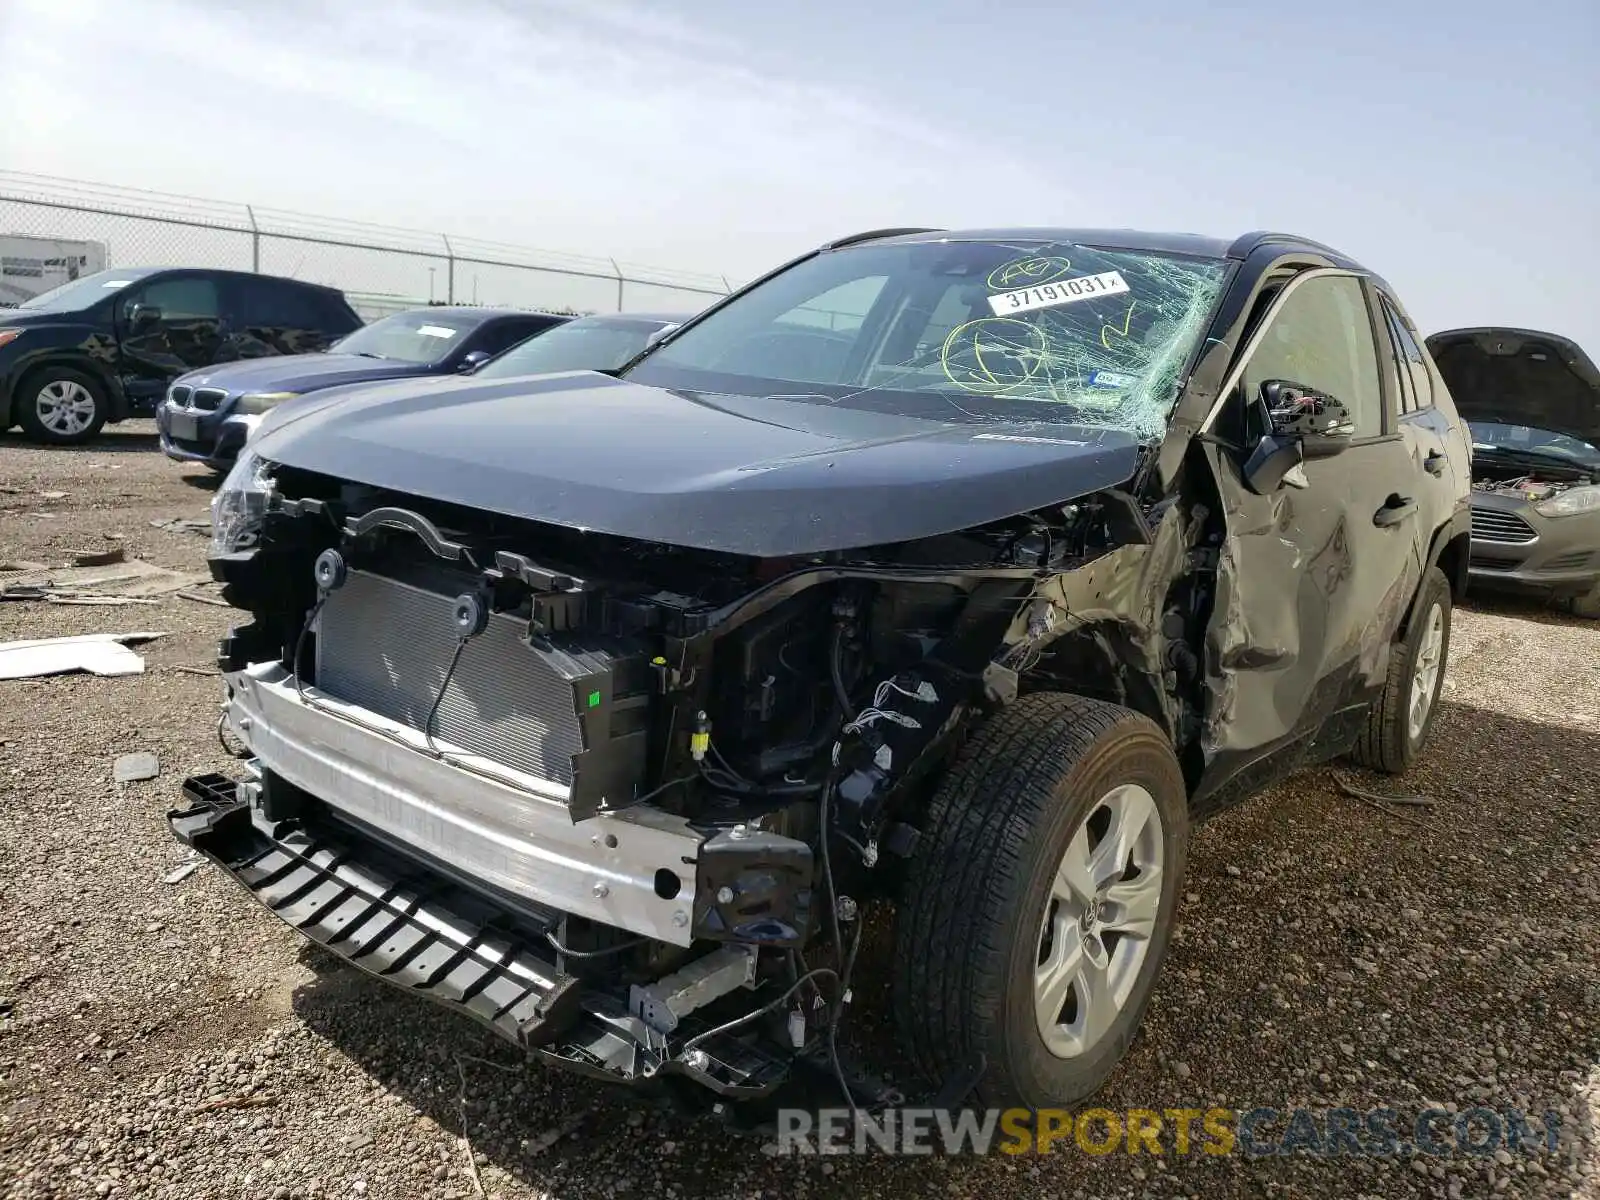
<point>873,234</point>
<point>1245,243</point>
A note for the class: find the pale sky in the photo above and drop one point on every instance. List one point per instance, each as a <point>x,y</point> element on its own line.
<point>1455,155</point>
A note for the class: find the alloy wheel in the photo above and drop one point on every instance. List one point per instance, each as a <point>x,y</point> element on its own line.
<point>1425,673</point>
<point>1099,921</point>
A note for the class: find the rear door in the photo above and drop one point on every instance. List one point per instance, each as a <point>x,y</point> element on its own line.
<point>187,334</point>
<point>1312,581</point>
<point>1435,440</point>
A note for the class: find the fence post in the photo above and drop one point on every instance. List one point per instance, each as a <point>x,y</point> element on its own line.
<point>620,281</point>
<point>255,240</point>
<point>450,269</point>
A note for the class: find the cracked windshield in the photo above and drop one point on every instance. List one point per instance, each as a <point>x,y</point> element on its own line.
<point>962,332</point>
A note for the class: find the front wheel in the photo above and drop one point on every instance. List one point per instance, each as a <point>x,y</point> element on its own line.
<point>1401,717</point>
<point>1585,604</point>
<point>60,406</point>
<point>1039,904</point>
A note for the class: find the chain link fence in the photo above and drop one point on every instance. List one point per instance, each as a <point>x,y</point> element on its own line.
<point>381,269</point>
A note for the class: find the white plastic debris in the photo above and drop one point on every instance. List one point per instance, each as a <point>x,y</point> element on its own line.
<point>131,768</point>
<point>179,874</point>
<point>96,653</point>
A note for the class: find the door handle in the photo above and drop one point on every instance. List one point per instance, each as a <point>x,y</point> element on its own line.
<point>1434,463</point>
<point>1395,509</point>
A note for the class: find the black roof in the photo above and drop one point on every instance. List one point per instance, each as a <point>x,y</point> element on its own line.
<point>143,272</point>
<point>1199,245</point>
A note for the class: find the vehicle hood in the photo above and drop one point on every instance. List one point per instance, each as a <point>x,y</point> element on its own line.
<point>1520,377</point>
<point>23,318</point>
<point>744,475</point>
<point>302,372</point>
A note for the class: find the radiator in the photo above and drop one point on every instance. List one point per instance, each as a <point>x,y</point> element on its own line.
<point>386,645</point>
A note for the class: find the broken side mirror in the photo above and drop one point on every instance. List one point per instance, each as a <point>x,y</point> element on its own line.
<point>1291,423</point>
<point>1321,423</point>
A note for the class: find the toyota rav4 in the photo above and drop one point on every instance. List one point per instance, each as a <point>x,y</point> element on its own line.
<point>961,571</point>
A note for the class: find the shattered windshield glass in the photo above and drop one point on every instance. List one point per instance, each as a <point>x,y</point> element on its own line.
<point>961,331</point>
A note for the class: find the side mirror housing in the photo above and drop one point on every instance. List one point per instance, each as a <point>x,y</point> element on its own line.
<point>1320,422</point>
<point>472,360</point>
<point>1293,423</point>
<point>143,317</point>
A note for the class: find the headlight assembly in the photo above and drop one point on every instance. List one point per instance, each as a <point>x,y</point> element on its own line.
<point>1571,502</point>
<point>254,403</point>
<point>239,509</point>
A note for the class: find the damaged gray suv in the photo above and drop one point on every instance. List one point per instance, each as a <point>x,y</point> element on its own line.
<point>959,571</point>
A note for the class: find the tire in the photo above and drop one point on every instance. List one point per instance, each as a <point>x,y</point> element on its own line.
<point>1392,740</point>
<point>1585,604</point>
<point>60,406</point>
<point>977,912</point>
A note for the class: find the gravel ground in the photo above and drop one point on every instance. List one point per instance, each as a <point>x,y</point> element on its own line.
<point>173,1040</point>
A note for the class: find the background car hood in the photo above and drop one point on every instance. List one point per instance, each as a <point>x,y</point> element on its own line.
<point>738,474</point>
<point>1520,377</point>
<point>302,372</point>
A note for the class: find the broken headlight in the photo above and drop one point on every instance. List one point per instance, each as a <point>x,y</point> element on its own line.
<point>1571,502</point>
<point>239,509</point>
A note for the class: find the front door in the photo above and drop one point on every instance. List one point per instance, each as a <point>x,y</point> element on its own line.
<point>187,333</point>
<point>1313,581</point>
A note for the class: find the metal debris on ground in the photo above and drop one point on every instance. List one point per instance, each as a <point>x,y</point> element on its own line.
<point>257,1100</point>
<point>96,653</point>
<point>202,598</point>
<point>131,768</point>
<point>99,558</point>
<point>135,582</point>
<point>1381,802</point>
<point>200,525</point>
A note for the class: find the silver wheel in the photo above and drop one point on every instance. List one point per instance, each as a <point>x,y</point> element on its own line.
<point>1425,673</point>
<point>65,407</point>
<point>1099,921</point>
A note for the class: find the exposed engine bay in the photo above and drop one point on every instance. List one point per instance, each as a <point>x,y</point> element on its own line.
<point>674,774</point>
<point>1532,488</point>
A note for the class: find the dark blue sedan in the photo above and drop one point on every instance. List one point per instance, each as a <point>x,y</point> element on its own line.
<point>208,414</point>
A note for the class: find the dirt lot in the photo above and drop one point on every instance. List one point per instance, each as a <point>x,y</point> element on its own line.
<point>171,1039</point>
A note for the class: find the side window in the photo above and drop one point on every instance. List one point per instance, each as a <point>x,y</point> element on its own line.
<point>273,304</point>
<point>1413,362</point>
<point>184,298</point>
<point>1322,338</point>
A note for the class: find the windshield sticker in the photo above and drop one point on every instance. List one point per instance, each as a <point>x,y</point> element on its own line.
<point>116,283</point>
<point>1112,379</point>
<point>1049,295</point>
<point>438,331</point>
<point>1029,272</point>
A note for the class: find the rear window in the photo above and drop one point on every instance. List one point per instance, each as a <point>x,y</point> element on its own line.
<point>280,304</point>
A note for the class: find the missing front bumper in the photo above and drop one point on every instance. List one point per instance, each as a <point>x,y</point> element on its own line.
<point>397,920</point>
